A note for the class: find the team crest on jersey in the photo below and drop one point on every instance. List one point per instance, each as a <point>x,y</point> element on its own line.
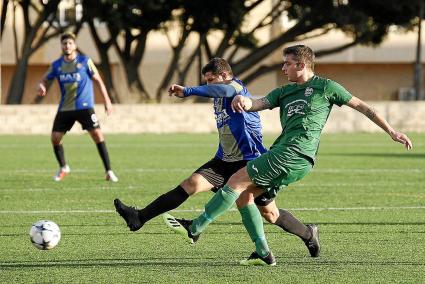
<point>308,91</point>
<point>79,66</point>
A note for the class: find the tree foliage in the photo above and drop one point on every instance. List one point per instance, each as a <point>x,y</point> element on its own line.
<point>37,31</point>
<point>130,22</point>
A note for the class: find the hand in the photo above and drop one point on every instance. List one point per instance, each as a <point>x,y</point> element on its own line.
<point>241,103</point>
<point>402,138</point>
<point>176,90</point>
<point>41,90</point>
<point>108,108</point>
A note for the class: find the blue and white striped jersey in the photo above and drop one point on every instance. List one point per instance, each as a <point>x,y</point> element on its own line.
<point>239,133</point>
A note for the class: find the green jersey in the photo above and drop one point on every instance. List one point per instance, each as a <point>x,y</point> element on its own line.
<point>304,110</point>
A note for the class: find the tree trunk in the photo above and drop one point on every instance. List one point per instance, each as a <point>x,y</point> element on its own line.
<point>135,84</point>
<point>172,66</point>
<point>3,16</point>
<point>17,87</point>
<point>106,71</point>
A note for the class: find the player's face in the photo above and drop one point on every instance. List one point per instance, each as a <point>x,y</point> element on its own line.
<point>68,46</point>
<point>291,68</point>
<point>211,78</point>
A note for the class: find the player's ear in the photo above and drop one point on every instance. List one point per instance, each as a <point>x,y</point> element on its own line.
<point>224,75</point>
<point>300,66</point>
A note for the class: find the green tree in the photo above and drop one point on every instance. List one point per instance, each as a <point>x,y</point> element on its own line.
<point>37,31</point>
<point>201,17</point>
<point>129,24</point>
<point>365,22</point>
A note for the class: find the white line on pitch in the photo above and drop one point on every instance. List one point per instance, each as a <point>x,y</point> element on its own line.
<point>201,210</point>
<point>140,187</point>
<point>153,170</point>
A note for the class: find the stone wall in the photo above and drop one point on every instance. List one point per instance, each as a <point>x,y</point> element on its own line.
<point>199,118</point>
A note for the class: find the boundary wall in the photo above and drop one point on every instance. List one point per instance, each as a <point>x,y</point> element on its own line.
<point>199,118</point>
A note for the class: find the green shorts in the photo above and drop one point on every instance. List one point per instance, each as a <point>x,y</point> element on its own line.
<point>278,168</point>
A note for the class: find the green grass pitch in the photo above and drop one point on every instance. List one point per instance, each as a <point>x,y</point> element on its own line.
<point>367,194</point>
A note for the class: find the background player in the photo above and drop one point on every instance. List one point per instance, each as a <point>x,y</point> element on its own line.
<point>75,74</point>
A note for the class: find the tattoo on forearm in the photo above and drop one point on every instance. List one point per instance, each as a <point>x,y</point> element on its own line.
<point>260,104</point>
<point>370,113</point>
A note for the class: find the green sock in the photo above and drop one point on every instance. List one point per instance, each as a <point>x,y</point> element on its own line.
<point>218,204</point>
<point>253,223</point>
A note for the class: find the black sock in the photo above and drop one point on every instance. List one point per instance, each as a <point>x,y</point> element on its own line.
<point>166,202</point>
<point>103,152</point>
<point>292,225</point>
<point>60,156</point>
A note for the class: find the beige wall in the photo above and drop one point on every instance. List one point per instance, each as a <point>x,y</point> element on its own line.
<point>199,118</point>
<point>367,81</point>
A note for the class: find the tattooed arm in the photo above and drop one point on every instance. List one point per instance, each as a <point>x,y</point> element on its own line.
<point>371,113</point>
<point>241,103</point>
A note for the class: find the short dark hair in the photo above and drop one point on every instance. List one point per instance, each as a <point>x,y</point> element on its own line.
<point>68,35</point>
<point>216,66</point>
<point>302,54</point>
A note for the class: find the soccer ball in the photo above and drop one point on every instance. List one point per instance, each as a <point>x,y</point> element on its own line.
<point>45,234</point>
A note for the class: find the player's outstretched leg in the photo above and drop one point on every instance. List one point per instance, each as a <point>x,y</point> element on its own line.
<point>308,233</point>
<point>256,259</point>
<point>129,214</point>
<point>313,243</point>
<point>180,226</point>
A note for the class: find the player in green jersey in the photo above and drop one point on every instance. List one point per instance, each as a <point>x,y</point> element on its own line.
<point>304,108</point>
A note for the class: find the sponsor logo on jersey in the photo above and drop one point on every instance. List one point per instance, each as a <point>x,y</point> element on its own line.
<point>221,115</point>
<point>70,77</point>
<point>296,107</point>
<point>221,118</point>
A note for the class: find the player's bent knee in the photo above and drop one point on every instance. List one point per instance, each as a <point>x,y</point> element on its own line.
<point>270,217</point>
<point>56,139</point>
<point>244,199</point>
<point>239,180</point>
<point>192,185</point>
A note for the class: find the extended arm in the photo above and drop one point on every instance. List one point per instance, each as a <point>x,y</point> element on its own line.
<point>241,103</point>
<point>209,91</point>
<point>370,112</point>
<point>108,105</point>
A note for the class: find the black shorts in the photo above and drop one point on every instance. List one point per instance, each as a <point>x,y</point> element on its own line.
<point>218,172</point>
<point>64,120</point>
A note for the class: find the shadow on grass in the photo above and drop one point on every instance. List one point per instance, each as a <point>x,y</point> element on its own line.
<point>231,230</point>
<point>190,262</point>
<point>148,261</point>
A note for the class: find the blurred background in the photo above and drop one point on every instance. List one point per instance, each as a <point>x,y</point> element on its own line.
<point>141,47</point>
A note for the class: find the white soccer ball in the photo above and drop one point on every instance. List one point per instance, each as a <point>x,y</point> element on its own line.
<point>45,234</point>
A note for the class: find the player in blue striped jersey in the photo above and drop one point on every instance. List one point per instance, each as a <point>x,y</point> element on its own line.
<point>75,74</point>
<point>240,141</point>
<point>239,133</point>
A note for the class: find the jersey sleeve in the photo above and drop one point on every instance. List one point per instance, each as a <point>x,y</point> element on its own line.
<point>50,74</point>
<point>211,91</point>
<point>337,94</point>
<point>91,68</point>
<point>273,97</point>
